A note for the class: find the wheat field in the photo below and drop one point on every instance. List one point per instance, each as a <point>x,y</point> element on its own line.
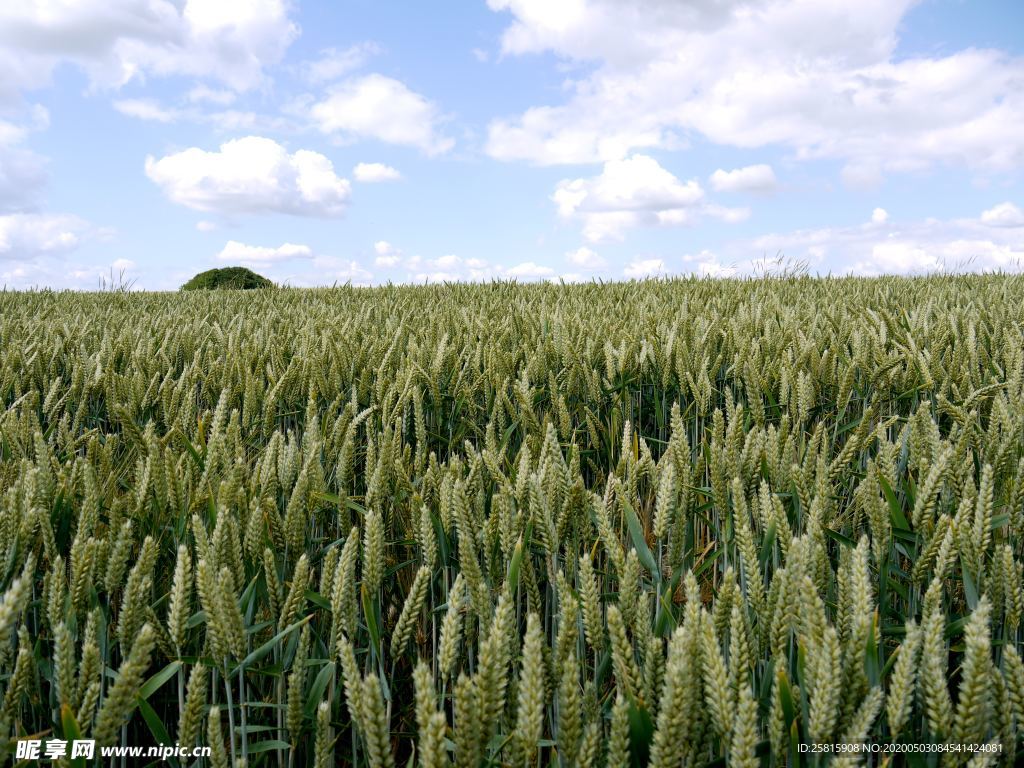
<point>665,523</point>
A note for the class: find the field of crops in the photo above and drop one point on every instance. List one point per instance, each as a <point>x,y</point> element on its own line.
<point>660,523</point>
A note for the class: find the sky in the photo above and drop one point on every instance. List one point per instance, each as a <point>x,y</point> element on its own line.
<point>366,142</point>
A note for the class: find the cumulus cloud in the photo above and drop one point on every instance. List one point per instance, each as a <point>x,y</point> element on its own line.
<point>66,274</point>
<point>641,268</point>
<point>22,171</point>
<point>1003,215</point>
<point>320,270</point>
<point>752,178</point>
<point>449,268</point>
<point>204,94</point>
<point>707,265</point>
<point>28,235</point>
<point>585,258</point>
<point>879,216</point>
<point>195,109</point>
<point>39,249</point>
<point>529,270</point>
<point>116,41</point>
<point>873,248</point>
<point>387,255</point>
<point>632,192</point>
<point>379,107</point>
<point>334,63</point>
<point>252,175</point>
<point>147,109</point>
<point>821,79</point>
<point>22,178</point>
<point>370,173</point>
<point>454,268</point>
<point>351,272</point>
<point>257,254</point>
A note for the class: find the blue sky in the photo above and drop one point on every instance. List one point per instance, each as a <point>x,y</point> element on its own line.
<point>321,142</point>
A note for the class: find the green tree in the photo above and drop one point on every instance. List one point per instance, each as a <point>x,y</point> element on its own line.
<point>238,278</point>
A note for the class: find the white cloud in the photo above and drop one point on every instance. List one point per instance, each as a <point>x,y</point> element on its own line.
<point>206,226</point>
<point>379,107</point>
<point>568,277</point>
<point>450,268</point>
<point>752,178</point>
<point>27,235</point>
<point>641,268</point>
<point>528,270</point>
<point>225,120</point>
<point>387,255</point>
<point>35,249</point>
<point>122,264</point>
<point>147,109</point>
<point>628,193</point>
<point>374,172</point>
<point>710,267</point>
<point>879,216</point>
<point>252,175</point>
<point>257,254</point>
<point>585,258</point>
<point>321,270</point>
<point>873,248</point>
<point>22,171</point>
<point>352,272</point>
<point>333,63</point>
<point>1003,215</point>
<point>203,94</point>
<point>821,79</point>
<point>116,41</point>
<point>22,178</point>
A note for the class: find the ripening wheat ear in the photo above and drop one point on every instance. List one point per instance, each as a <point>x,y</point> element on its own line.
<point>925,500</point>
<point>623,662</point>
<point>974,707</point>
<point>570,713</point>
<point>215,740</point>
<point>451,628</point>
<point>120,700</point>
<point>589,595</point>
<point>21,678</point>
<point>664,508</point>
<point>373,552</point>
<point>296,687</point>
<point>618,737</point>
<point>430,722</point>
<point>716,679</point>
<point>1013,673</point>
<point>296,594</point>
<point>178,610</point>
<point>191,716</point>
<point>903,681</point>
<point>376,731</point>
<point>410,611</point>
<point>934,662</point>
<point>743,745</point>
<point>824,697</point>
<point>216,631</point>
<point>864,718</point>
<point>530,709</point>
<point>324,747</point>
